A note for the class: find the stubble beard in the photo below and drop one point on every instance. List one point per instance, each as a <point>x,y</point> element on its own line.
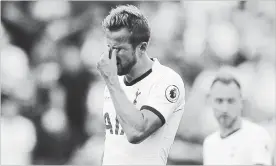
<point>228,123</point>
<point>123,70</point>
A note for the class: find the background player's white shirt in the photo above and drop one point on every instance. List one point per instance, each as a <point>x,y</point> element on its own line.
<point>162,91</point>
<point>248,146</point>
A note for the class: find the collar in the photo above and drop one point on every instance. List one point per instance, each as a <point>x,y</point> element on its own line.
<point>232,132</point>
<point>155,62</point>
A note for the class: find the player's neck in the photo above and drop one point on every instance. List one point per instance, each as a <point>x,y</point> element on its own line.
<point>225,132</point>
<point>141,67</point>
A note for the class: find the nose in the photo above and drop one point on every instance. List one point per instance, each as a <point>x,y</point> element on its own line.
<point>224,107</point>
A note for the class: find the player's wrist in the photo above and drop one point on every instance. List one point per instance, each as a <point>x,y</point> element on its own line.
<point>112,81</point>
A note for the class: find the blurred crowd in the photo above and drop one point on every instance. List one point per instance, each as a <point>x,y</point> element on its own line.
<point>52,95</point>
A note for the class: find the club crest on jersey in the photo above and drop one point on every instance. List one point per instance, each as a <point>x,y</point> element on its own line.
<point>172,93</point>
<point>136,96</point>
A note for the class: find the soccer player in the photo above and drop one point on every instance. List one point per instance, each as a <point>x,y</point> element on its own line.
<point>144,100</point>
<point>238,141</point>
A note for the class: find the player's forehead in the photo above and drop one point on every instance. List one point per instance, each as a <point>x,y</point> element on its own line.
<point>222,90</point>
<point>118,37</point>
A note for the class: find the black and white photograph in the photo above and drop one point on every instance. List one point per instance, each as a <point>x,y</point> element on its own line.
<point>174,82</point>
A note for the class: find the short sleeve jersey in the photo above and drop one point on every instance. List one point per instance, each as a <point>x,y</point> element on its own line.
<point>160,90</point>
<point>249,145</point>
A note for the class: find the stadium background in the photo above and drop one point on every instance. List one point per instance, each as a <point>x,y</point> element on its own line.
<point>51,93</point>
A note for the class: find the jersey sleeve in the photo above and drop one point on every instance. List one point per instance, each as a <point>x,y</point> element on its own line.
<point>165,97</point>
<point>262,149</point>
<point>204,151</point>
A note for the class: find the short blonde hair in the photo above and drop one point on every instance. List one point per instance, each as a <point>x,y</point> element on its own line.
<point>130,17</point>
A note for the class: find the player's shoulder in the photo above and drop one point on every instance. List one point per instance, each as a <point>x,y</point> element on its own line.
<point>169,80</point>
<point>252,126</point>
<point>166,71</point>
<point>255,129</point>
<point>211,138</point>
<point>168,75</point>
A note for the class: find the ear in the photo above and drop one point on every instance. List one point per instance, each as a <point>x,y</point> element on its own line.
<point>142,46</point>
<point>244,103</point>
<point>208,100</point>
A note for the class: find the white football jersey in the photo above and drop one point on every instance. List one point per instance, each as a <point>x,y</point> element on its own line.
<point>160,90</point>
<point>249,145</point>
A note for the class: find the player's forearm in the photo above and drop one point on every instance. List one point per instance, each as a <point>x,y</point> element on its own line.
<point>130,118</point>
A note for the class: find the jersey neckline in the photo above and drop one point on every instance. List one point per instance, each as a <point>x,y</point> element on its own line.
<point>229,134</point>
<point>137,79</point>
<point>234,131</point>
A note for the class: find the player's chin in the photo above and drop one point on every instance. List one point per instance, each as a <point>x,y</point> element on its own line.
<point>120,71</point>
<point>223,121</point>
<point>120,74</point>
<point>227,122</point>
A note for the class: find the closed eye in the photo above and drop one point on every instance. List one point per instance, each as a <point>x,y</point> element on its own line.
<point>231,101</point>
<point>219,100</point>
<point>118,49</point>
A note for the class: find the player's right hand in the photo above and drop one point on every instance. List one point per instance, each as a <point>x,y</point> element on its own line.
<point>107,66</point>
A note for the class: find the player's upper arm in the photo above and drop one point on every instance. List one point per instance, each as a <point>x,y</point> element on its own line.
<point>165,98</point>
<point>262,149</point>
<point>204,150</point>
<point>152,123</point>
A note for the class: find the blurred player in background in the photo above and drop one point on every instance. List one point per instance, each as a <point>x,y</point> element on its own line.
<point>144,105</point>
<point>238,141</point>
<point>18,134</point>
